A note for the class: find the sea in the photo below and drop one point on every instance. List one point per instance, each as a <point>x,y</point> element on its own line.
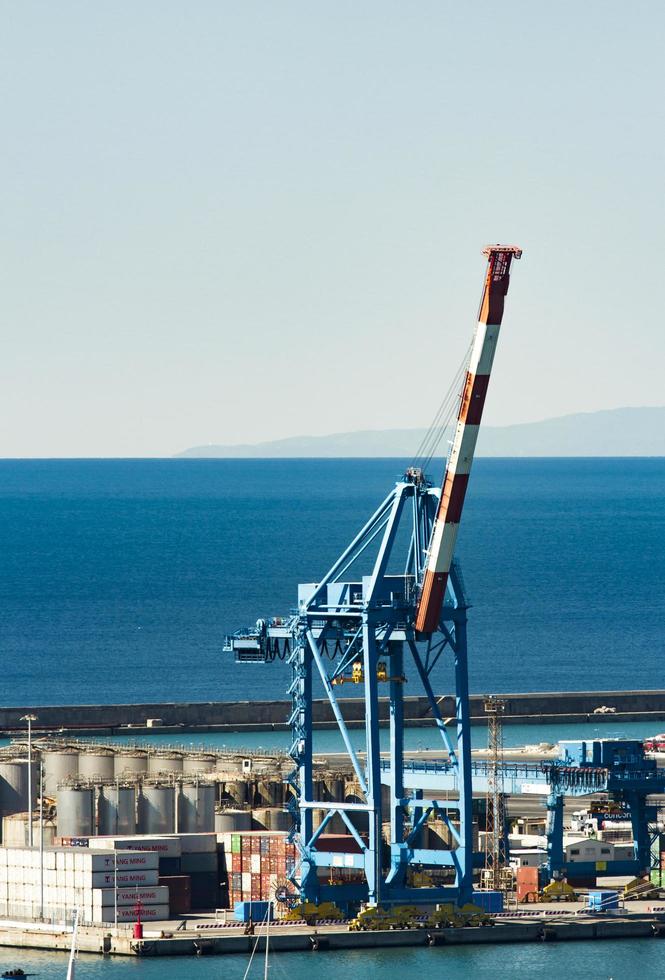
<point>120,578</point>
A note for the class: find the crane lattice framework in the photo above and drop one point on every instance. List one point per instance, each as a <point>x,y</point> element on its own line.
<point>495,840</point>
<point>392,624</point>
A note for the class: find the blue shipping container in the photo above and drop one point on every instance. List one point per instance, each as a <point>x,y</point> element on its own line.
<point>488,901</point>
<point>601,900</point>
<point>256,911</point>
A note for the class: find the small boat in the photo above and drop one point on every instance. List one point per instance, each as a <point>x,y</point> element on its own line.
<point>16,974</point>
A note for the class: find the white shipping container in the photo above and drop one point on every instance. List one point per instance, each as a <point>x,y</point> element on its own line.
<point>197,843</point>
<point>102,861</point>
<point>255,863</point>
<point>246,881</point>
<point>107,879</point>
<point>165,846</point>
<point>151,913</point>
<point>157,895</point>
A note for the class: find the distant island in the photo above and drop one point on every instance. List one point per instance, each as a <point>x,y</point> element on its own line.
<point>614,432</point>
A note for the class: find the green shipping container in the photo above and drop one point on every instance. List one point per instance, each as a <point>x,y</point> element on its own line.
<point>235,843</point>
<point>658,878</point>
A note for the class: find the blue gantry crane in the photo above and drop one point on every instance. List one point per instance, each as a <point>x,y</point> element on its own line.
<point>620,768</point>
<point>389,610</point>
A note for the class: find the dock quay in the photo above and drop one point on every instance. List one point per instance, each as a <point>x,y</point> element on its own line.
<point>562,707</point>
<point>210,938</point>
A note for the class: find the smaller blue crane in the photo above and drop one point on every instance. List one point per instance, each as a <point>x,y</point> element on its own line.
<point>620,768</point>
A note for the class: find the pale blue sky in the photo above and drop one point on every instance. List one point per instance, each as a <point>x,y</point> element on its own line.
<point>227,222</point>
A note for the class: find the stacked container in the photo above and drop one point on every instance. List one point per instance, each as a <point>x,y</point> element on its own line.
<point>82,878</point>
<point>255,863</point>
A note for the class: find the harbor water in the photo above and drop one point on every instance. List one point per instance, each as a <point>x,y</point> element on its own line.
<point>601,960</point>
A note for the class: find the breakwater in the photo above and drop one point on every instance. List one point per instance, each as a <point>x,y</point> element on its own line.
<point>530,708</point>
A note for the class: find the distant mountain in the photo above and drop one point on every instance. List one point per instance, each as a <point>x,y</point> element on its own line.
<point>615,432</point>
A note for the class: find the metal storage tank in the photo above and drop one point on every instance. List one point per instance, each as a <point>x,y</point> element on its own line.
<point>236,791</point>
<point>76,811</point>
<point>166,762</point>
<point>196,808</point>
<point>231,821</point>
<point>280,820</point>
<point>14,786</point>
<point>130,763</point>
<point>15,831</point>
<point>96,764</point>
<point>198,762</point>
<point>261,819</point>
<point>270,793</point>
<point>156,810</point>
<point>116,810</point>
<point>58,766</point>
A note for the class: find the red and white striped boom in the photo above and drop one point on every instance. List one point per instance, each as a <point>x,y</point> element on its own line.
<point>446,525</point>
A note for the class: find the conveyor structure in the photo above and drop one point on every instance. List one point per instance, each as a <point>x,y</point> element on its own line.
<point>389,610</point>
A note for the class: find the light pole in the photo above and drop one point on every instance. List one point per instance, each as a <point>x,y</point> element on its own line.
<point>29,719</point>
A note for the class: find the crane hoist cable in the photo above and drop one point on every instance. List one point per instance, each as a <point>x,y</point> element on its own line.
<point>443,416</point>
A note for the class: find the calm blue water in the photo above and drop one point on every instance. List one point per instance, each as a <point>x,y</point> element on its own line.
<point>600,960</point>
<point>119,578</point>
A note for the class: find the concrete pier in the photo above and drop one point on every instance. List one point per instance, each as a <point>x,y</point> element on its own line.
<point>237,716</point>
<point>301,938</point>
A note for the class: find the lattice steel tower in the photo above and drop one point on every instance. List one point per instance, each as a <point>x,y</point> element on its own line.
<point>495,839</point>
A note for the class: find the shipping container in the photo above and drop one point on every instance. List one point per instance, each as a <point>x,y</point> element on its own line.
<point>157,895</point>
<point>488,901</point>
<point>180,893</point>
<point>126,913</point>
<point>252,911</point>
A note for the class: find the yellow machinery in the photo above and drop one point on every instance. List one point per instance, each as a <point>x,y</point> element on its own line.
<point>640,888</point>
<point>312,913</point>
<point>558,891</point>
<point>447,916</point>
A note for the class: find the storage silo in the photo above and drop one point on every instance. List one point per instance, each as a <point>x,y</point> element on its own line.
<point>232,821</point>
<point>196,808</point>
<point>130,763</point>
<point>14,786</point>
<point>280,820</point>
<point>236,790</point>
<point>76,811</point>
<point>96,764</point>
<point>164,762</point>
<point>116,810</point>
<point>156,809</point>
<point>196,762</point>
<point>59,765</point>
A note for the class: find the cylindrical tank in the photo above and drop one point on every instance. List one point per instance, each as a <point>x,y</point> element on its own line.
<point>156,810</point>
<point>76,811</point>
<point>196,808</point>
<point>335,789</point>
<point>164,762</point>
<point>280,820</point>
<point>96,765</point>
<point>130,763</point>
<point>14,786</point>
<point>116,810</point>
<point>198,762</point>
<point>15,831</point>
<point>58,766</point>
<point>237,791</point>
<point>232,821</point>
<point>261,819</point>
<point>270,793</point>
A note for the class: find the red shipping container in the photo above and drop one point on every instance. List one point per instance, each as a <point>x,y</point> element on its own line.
<point>527,883</point>
<point>255,845</point>
<point>236,862</point>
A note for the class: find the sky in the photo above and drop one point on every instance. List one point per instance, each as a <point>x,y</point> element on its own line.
<point>229,222</point>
